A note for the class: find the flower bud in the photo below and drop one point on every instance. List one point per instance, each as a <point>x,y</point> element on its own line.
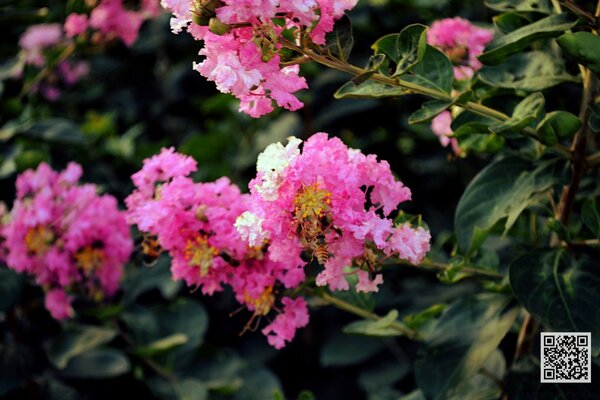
<point>217,27</point>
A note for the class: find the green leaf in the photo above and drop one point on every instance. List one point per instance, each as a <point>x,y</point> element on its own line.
<point>527,111</point>
<point>435,71</point>
<point>542,6</point>
<point>340,40</point>
<point>162,345</point>
<point>429,110</point>
<point>510,21</point>
<point>406,48</point>
<point>380,327</point>
<point>532,71</point>
<point>77,341</point>
<point>191,389</point>
<point>368,89</point>
<point>57,130</point>
<point>465,336</point>
<point>11,285</point>
<point>556,126</point>
<point>141,280</point>
<point>16,366</point>
<point>584,47</point>
<point>590,216</point>
<point>502,190</point>
<point>503,46</point>
<point>561,291</point>
<point>98,364</point>
<point>419,319</point>
<point>344,350</point>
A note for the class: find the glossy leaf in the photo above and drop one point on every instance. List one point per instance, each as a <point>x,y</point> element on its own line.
<point>340,41</point>
<point>406,48</point>
<point>556,126</point>
<point>77,341</point>
<point>542,6</point>
<point>429,110</point>
<point>502,190</point>
<point>368,89</point>
<point>162,345</point>
<point>465,336</point>
<point>503,46</point>
<point>561,291</point>
<point>531,71</point>
<point>98,364</point>
<point>527,111</point>
<point>584,47</point>
<point>510,21</point>
<point>434,71</point>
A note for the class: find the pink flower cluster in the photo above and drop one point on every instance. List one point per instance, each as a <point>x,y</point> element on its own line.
<point>34,42</point>
<point>112,20</point>
<point>194,222</point>
<point>242,44</point>
<point>332,204</point>
<point>462,41</point>
<point>441,126</point>
<point>70,239</point>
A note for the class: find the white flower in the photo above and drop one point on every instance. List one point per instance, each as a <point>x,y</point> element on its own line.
<point>249,226</point>
<point>272,162</point>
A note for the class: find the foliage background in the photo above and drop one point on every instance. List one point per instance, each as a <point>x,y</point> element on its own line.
<point>137,100</point>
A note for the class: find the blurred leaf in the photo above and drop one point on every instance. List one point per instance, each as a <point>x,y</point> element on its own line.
<point>57,130</point>
<point>503,46</point>
<point>79,340</point>
<point>583,46</point>
<point>344,350</point>
<point>531,71</point>
<point>502,190</point>
<point>368,89</point>
<point>594,120</point>
<point>98,364</point>
<point>542,6</point>
<point>340,40</point>
<point>510,21</point>
<point>162,345</point>
<point>124,146</point>
<point>591,217</point>
<point>185,316</point>
<point>465,336</point>
<point>16,366</point>
<point>11,285</point>
<point>435,71</point>
<point>383,374</point>
<point>561,291</point>
<point>406,48</point>
<point>428,110</point>
<point>30,159</point>
<point>191,389</point>
<point>258,383</point>
<point>524,114</point>
<point>380,327</point>
<point>415,321</point>
<point>556,126</point>
<point>141,280</point>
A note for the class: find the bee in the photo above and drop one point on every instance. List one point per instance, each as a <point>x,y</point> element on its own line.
<point>266,39</point>
<point>319,248</point>
<point>458,55</point>
<point>151,250</point>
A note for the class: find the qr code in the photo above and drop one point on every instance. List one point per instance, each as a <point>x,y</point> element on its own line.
<point>566,357</point>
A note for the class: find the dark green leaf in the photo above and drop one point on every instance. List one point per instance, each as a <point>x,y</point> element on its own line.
<point>340,40</point>
<point>591,217</point>
<point>556,126</point>
<point>191,389</point>
<point>380,327</point>
<point>542,6</point>
<point>77,341</point>
<point>503,46</point>
<point>141,280</point>
<point>429,110</point>
<point>594,120</point>
<point>584,47</point>
<point>97,364</point>
<point>465,336</point>
<point>368,89</point>
<point>527,111</point>
<point>57,130</point>
<point>406,48</point>
<point>435,71</point>
<point>561,291</point>
<point>11,284</point>
<point>502,190</point>
<point>344,350</point>
<point>532,71</point>
<point>16,366</point>
<point>259,383</point>
<point>510,21</point>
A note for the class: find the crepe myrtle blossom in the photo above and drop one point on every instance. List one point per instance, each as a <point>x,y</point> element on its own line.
<point>194,223</point>
<point>71,240</point>
<point>242,49</point>
<point>441,126</point>
<point>329,203</point>
<point>462,42</point>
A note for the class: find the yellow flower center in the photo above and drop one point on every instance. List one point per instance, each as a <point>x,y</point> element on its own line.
<point>263,303</point>
<point>200,254</point>
<point>310,201</point>
<point>89,259</point>
<point>38,240</point>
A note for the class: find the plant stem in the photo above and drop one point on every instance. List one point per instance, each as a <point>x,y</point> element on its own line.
<point>526,335</point>
<point>474,271</point>
<point>361,312</point>
<point>593,159</point>
<point>579,11</point>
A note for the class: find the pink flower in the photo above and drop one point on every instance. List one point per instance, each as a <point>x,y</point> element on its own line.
<point>112,19</point>
<point>462,41</point>
<point>37,38</point>
<point>283,328</point>
<point>365,284</point>
<point>75,24</point>
<point>441,126</point>
<point>59,304</point>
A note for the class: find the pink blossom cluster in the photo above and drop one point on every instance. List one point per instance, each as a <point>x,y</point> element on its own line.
<point>34,43</point>
<point>329,203</point>
<point>70,239</point>
<point>462,42</point>
<point>441,126</point>
<point>242,44</point>
<point>194,223</point>
<point>111,19</point>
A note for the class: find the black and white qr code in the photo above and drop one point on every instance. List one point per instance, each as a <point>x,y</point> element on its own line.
<point>566,357</point>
